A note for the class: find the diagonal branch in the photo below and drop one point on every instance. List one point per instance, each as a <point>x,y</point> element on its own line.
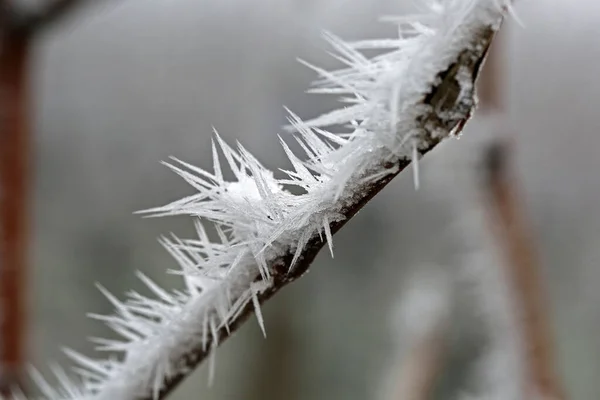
<point>398,106</point>
<point>524,272</point>
<point>444,114</point>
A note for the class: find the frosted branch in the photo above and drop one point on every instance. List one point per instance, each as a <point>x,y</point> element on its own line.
<point>397,107</point>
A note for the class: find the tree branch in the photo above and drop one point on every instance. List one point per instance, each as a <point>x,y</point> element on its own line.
<point>446,113</point>
<point>268,236</point>
<point>16,31</point>
<point>524,272</point>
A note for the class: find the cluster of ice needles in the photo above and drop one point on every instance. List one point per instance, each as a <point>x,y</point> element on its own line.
<point>257,219</point>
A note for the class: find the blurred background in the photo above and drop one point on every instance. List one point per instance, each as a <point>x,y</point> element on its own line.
<point>119,85</point>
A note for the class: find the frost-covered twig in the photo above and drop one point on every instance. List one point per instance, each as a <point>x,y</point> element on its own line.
<point>398,106</point>
<point>524,276</point>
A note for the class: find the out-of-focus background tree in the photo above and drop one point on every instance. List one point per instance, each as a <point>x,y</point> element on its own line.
<point>122,84</point>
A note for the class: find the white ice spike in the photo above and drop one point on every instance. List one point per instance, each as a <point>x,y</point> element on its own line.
<point>257,218</point>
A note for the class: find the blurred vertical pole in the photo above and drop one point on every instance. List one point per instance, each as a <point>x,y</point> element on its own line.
<point>17,28</point>
<point>14,182</point>
<point>525,277</point>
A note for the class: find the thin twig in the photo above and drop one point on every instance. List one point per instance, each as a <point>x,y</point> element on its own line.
<point>448,113</point>
<point>524,273</point>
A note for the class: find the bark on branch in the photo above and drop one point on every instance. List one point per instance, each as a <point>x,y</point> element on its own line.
<point>447,113</point>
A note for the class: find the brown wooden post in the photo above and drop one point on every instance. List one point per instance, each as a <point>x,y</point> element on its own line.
<point>14,203</point>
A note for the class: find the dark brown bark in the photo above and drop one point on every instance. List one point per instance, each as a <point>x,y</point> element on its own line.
<point>442,98</point>
<point>14,202</point>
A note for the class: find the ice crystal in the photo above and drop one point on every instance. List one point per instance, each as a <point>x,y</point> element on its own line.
<point>256,216</point>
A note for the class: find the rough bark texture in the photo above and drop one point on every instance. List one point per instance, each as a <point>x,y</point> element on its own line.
<point>443,98</point>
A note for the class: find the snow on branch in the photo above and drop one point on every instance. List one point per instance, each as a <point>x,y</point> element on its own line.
<point>397,106</point>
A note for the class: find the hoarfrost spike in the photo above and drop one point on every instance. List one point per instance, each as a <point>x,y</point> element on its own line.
<point>415,164</point>
<point>382,125</point>
<point>212,363</point>
<point>258,312</point>
<point>328,235</point>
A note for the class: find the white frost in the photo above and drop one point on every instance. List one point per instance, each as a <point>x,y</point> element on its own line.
<point>258,220</point>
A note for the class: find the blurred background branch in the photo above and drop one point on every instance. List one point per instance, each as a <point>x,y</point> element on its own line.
<point>17,28</point>
<point>129,85</point>
<point>418,376</point>
<point>524,273</point>
<point>15,153</point>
